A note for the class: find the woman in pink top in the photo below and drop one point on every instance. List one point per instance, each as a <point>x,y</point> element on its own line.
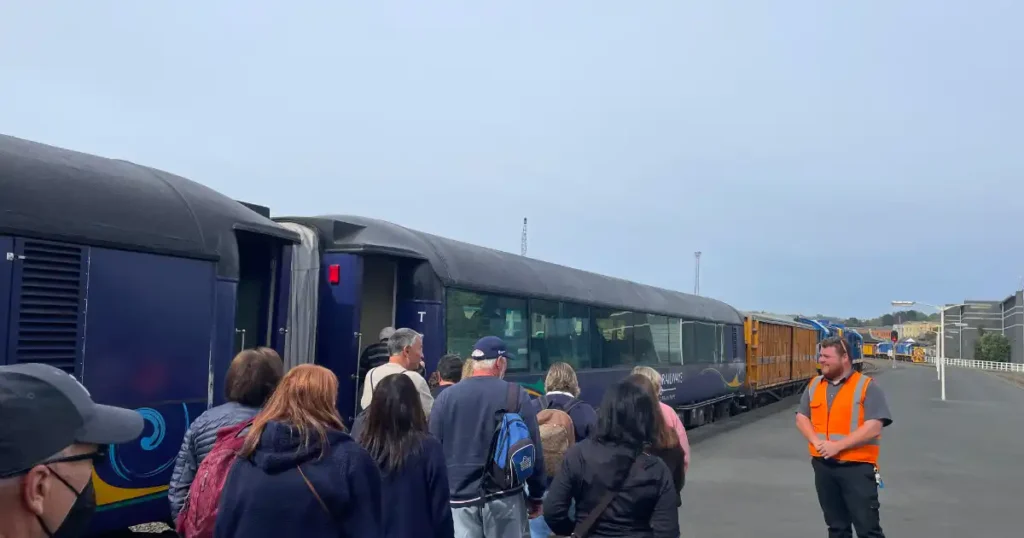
<point>671,418</point>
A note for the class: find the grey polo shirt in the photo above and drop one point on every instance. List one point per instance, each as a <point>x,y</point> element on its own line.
<point>875,406</point>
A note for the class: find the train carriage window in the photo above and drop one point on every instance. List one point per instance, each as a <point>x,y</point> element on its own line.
<point>559,332</point>
<point>688,336</point>
<point>470,316</point>
<point>707,342</point>
<point>650,339</point>
<point>675,341</point>
<point>719,343</point>
<point>612,340</point>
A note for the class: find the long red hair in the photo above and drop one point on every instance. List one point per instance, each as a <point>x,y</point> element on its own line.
<point>305,399</point>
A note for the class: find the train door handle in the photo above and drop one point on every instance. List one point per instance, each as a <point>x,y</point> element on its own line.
<point>282,330</point>
<point>242,332</point>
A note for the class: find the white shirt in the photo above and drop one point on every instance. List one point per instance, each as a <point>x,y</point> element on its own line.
<point>374,376</point>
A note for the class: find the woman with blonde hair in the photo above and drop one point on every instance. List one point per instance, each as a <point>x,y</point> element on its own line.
<point>299,473</point>
<point>562,391</point>
<point>671,418</point>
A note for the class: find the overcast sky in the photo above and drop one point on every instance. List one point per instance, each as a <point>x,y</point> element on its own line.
<point>824,156</point>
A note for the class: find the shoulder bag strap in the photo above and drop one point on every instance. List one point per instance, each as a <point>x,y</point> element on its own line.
<point>582,529</point>
<point>315,494</point>
<point>572,404</point>
<point>512,401</point>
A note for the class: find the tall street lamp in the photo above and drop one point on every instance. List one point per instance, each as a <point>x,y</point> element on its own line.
<point>940,360</point>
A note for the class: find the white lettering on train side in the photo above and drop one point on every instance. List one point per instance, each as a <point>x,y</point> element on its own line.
<point>672,378</point>
<point>421,315</point>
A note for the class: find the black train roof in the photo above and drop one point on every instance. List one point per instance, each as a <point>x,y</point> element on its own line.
<point>53,193</point>
<point>463,265</point>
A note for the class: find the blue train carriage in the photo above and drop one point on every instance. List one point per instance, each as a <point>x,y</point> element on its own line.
<point>175,277</point>
<point>375,273</point>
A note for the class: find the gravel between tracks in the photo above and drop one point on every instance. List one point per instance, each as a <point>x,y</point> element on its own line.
<point>150,529</point>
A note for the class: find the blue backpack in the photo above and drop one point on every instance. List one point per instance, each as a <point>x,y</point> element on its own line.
<point>512,451</point>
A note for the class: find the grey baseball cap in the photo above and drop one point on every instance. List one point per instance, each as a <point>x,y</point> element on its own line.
<point>45,410</point>
<point>386,332</point>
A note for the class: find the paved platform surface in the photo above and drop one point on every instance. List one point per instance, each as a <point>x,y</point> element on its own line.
<point>953,468</point>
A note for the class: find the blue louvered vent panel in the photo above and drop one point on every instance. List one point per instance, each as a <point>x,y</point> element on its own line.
<point>50,305</point>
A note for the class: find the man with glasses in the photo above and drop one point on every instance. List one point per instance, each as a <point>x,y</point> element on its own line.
<point>51,435</point>
<point>841,415</point>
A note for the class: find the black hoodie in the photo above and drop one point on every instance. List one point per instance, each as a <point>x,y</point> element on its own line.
<point>266,497</point>
<point>646,505</point>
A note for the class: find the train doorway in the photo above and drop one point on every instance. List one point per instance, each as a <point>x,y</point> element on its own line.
<point>377,300</point>
<point>255,304</point>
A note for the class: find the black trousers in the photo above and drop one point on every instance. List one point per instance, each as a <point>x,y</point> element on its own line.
<point>848,495</point>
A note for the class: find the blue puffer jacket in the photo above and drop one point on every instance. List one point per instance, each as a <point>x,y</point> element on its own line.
<point>197,444</point>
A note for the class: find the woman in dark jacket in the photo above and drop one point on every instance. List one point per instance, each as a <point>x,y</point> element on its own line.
<point>645,504</point>
<point>412,465</point>
<point>666,442</point>
<point>251,379</point>
<point>298,473</point>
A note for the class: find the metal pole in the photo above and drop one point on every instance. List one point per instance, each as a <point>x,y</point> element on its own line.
<point>942,370</point>
<point>943,379</point>
<point>941,349</point>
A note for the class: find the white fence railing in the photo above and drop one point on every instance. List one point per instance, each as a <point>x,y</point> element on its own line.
<point>981,365</point>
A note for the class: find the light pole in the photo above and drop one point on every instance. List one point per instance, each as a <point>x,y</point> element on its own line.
<point>940,360</point>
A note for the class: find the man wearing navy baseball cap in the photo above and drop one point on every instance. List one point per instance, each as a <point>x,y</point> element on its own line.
<point>51,435</point>
<point>463,419</point>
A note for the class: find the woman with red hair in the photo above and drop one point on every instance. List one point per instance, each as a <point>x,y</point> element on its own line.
<point>299,473</point>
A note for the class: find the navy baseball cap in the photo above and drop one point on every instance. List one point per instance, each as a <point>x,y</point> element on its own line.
<point>46,410</point>
<point>489,347</point>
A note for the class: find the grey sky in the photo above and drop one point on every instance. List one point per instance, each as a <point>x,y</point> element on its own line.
<point>785,140</point>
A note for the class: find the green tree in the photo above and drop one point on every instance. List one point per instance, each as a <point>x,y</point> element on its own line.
<point>886,319</point>
<point>992,346</point>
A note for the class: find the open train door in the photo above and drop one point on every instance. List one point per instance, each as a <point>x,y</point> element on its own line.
<point>259,305</point>
<point>301,317</point>
<point>264,281</point>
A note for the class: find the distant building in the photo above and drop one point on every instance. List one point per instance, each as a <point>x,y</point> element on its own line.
<point>1013,325</point>
<point>916,329</point>
<point>976,316</point>
<point>881,334</point>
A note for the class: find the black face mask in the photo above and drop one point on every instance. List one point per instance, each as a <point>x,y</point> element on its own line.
<point>78,518</point>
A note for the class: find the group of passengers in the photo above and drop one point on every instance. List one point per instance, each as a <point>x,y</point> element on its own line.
<point>421,456</point>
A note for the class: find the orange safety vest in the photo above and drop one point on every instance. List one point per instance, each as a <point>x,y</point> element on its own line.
<point>845,416</point>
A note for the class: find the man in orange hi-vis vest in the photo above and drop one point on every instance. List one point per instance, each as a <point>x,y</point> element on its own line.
<point>841,415</point>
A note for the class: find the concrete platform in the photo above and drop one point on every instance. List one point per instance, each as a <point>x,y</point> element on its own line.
<point>953,468</point>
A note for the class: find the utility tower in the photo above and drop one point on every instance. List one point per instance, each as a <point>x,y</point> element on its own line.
<point>696,275</point>
<point>522,247</point>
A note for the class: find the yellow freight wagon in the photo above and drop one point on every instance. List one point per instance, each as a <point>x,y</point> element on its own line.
<point>779,351</point>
